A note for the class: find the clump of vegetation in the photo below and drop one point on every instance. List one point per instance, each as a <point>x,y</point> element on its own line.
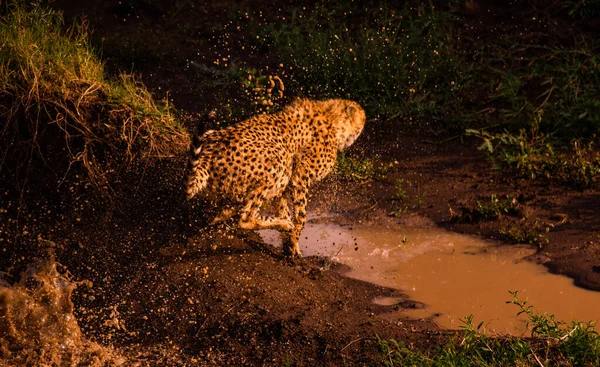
<point>400,193</point>
<point>61,109</point>
<point>401,196</point>
<point>527,232</point>
<point>489,209</point>
<point>531,154</point>
<point>352,169</point>
<point>552,343</point>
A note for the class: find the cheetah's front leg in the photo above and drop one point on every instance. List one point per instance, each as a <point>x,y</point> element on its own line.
<point>290,238</point>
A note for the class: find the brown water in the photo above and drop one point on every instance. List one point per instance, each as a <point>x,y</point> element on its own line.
<point>454,275</point>
<point>37,325</point>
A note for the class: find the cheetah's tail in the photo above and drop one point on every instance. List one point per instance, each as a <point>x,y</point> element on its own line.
<point>197,177</point>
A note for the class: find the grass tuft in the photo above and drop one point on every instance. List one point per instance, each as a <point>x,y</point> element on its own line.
<point>532,154</point>
<point>61,109</point>
<point>489,209</point>
<point>352,169</point>
<point>552,343</point>
<point>528,232</point>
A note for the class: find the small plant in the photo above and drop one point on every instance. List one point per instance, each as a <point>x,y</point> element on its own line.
<point>532,155</point>
<point>552,343</point>
<point>399,196</point>
<point>540,324</point>
<point>528,233</point>
<point>398,211</point>
<point>529,151</point>
<point>352,169</point>
<point>496,208</point>
<point>583,167</point>
<point>394,353</point>
<point>475,349</point>
<point>419,198</point>
<point>578,342</point>
<point>489,209</point>
<point>400,193</point>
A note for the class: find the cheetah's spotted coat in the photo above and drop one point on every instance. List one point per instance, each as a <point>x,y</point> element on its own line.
<point>272,156</point>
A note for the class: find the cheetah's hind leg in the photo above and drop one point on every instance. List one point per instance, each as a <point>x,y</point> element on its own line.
<point>225,215</point>
<point>288,238</point>
<point>250,217</point>
<point>283,210</point>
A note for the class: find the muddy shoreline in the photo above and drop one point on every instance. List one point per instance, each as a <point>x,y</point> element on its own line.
<point>443,178</point>
<point>187,292</point>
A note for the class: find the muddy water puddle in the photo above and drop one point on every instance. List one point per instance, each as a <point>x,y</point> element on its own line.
<point>453,275</point>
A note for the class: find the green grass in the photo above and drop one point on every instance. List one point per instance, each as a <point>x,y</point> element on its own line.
<point>62,110</point>
<point>532,154</point>
<point>400,193</point>
<point>488,209</point>
<point>552,343</point>
<point>528,232</point>
<point>352,169</point>
<point>395,62</point>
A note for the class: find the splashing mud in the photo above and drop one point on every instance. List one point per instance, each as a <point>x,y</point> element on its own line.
<point>37,325</point>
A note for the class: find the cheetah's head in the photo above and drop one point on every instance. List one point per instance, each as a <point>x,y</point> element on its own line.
<point>350,123</point>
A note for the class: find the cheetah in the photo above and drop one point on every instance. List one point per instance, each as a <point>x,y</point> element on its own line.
<point>272,157</point>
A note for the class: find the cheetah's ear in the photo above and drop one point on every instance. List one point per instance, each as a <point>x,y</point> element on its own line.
<point>351,111</point>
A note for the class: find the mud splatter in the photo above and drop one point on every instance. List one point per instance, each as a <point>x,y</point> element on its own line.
<point>37,325</point>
